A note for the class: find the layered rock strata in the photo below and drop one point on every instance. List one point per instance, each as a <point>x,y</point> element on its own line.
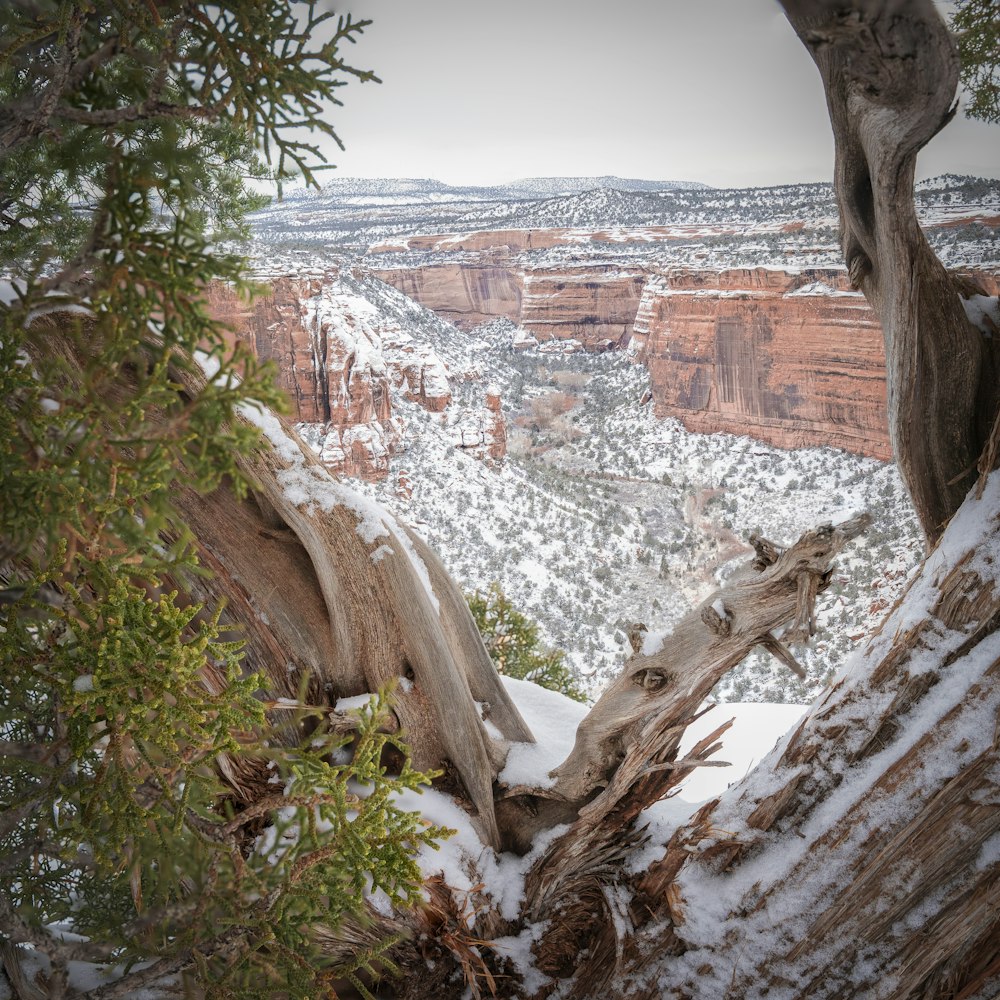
<point>482,432</point>
<point>793,359</point>
<point>595,305</point>
<point>339,361</point>
<point>465,295</point>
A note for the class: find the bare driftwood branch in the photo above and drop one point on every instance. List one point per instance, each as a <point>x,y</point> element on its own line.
<point>628,746</point>
<point>664,690</point>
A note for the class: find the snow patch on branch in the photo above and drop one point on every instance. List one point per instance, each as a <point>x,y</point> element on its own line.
<point>311,486</point>
<point>984,312</point>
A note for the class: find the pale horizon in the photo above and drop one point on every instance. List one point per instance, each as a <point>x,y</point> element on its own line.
<point>720,92</point>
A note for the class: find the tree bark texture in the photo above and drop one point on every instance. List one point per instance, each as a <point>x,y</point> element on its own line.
<point>328,586</point>
<point>890,70</point>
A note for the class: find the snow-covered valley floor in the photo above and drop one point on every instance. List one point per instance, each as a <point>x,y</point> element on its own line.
<point>602,515</point>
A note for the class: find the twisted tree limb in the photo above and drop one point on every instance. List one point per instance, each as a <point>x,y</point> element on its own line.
<point>660,692</point>
<point>890,70</point>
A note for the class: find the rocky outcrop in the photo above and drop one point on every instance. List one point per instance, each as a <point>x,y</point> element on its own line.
<point>482,433</point>
<point>498,430</point>
<point>595,305</point>
<point>465,295</point>
<point>338,360</point>
<point>793,359</point>
<point>414,369</point>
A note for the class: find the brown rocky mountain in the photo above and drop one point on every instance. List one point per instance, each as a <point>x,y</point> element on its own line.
<point>340,362</point>
<point>795,360</point>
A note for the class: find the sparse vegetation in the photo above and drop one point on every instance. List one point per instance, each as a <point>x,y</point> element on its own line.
<point>512,641</point>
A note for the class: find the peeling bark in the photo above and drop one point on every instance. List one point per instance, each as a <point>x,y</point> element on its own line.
<point>875,826</point>
<point>356,605</point>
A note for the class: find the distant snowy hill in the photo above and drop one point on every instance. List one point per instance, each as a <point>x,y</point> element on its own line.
<point>700,226</point>
<point>548,187</point>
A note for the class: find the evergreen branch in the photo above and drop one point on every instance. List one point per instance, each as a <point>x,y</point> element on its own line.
<point>32,120</point>
<point>263,806</point>
<point>17,930</point>
<point>37,753</point>
<point>13,816</point>
<point>129,983</point>
<point>143,111</point>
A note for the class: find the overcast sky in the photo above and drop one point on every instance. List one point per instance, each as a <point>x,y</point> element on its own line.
<point>480,92</point>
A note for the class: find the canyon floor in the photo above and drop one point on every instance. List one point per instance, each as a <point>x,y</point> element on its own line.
<point>602,515</point>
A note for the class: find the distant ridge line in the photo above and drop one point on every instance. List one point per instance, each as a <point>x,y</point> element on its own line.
<point>523,188</point>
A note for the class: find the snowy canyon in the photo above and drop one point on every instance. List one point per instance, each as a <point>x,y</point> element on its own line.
<point>539,384</point>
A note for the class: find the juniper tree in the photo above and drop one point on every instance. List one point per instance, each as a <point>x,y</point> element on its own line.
<point>976,24</point>
<point>512,640</point>
<point>127,135</point>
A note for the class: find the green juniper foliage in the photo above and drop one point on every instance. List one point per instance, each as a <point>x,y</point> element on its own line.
<point>976,24</point>
<point>512,641</point>
<point>127,131</point>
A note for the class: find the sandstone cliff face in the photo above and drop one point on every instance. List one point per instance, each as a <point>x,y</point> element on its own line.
<point>595,305</point>
<point>342,362</point>
<point>795,360</point>
<point>465,295</point>
<point>338,361</point>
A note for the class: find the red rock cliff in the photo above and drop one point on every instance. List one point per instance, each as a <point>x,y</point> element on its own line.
<point>595,305</point>
<point>795,360</point>
<point>338,360</point>
<point>465,295</point>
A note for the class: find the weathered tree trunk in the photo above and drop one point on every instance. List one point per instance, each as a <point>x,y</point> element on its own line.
<point>890,70</point>
<point>862,858</point>
<point>328,587</point>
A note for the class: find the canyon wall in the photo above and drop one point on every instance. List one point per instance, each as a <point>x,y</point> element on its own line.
<point>792,358</point>
<point>463,294</point>
<point>339,361</point>
<point>595,304</point>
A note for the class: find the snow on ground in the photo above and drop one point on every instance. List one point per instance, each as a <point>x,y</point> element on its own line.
<point>792,224</point>
<point>464,860</point>
<point>553,719</point>
<point>602,515</point>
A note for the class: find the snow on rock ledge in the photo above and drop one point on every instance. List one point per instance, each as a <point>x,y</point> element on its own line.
<point>339,360</point>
